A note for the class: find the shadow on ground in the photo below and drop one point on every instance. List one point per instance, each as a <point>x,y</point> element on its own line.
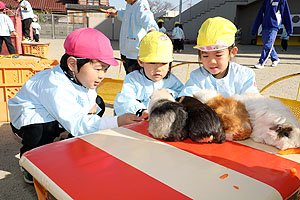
<point>11,179</point>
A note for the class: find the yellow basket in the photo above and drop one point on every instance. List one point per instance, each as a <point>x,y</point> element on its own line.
<point>37,49</point>
<point>109,88</point>
<point>13,74</point>
<point>294,105</point>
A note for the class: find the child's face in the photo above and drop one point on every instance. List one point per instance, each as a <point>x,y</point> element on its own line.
<point>91,74</point>
<point>155,71</point>
<point>216,62</point>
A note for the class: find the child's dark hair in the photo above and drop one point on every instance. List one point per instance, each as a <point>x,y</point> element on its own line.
<point>229,48</point>
<point>160,24</point>
<point>80,62</point>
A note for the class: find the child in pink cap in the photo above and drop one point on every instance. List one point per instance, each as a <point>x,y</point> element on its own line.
<point>64,97</point>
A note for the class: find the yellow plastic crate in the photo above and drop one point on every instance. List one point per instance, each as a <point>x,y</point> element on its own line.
<point>13,74</point>
<point>37,49</point>
<point>109,88</point>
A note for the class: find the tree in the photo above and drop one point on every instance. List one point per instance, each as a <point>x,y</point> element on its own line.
<point>158,7</point>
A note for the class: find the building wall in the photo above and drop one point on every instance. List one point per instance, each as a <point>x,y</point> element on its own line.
<point>108,26</point>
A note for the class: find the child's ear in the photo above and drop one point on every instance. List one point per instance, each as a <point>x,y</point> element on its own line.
<point>72,64</point>
<point>140,62</point>
<point>233,52</point>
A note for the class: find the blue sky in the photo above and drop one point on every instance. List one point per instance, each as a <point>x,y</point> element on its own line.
<point>122,3</point>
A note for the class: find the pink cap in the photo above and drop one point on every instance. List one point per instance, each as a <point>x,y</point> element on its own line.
<point>2,5</point>
<point>90,43</point>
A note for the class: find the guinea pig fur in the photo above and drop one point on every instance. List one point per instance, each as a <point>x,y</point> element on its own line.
<point>204,125</point>
<point>167,118</point>
<point>233,114</point>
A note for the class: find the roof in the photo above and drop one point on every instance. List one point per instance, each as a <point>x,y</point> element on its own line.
<point>49,5</point>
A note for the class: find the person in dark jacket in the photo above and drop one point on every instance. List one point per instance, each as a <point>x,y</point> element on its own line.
<point>271,15</point>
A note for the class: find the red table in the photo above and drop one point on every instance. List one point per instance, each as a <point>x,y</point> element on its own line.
<point>127,163</point>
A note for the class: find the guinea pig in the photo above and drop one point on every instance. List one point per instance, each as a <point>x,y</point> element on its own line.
<point>233,114</point>
<point>204,125</point>
<point>167,118</point>
<point>273,122</point>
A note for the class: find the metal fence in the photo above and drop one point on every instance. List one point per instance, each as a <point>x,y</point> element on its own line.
<point>59,26</point>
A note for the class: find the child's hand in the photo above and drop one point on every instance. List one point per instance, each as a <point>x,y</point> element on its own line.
<point>111,11</point>
<point>93,110</point>
<point>128,118</point>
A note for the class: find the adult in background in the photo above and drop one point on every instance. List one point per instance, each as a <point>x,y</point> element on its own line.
<point>6,29</point>
<point>271,15</point>
<point>137,20</point>
<point>27,16</point>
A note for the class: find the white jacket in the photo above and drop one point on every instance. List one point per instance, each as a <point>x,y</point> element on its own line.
<point>6,25</point>
<point>137,20</point>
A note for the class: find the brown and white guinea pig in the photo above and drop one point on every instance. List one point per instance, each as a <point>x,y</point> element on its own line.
<point>167,118</point>
<point>233,114</point>
<point>204,125</point>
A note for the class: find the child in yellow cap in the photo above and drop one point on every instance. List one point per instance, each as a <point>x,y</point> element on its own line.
<point>155,58</point>
<point>216,47</point>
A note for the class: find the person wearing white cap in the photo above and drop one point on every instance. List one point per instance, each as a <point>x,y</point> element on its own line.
<point>65,97</point>
<point>216,47</point>
<point>36,29</point>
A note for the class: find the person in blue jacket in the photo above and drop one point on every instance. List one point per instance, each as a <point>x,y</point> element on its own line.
<point>271,15</point>
<point>137,19</point>
<point>65,97</point>
<point>216,47</point>
<point>155,58</point>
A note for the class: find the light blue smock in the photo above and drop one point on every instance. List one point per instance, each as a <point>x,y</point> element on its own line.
<point>51,96</point>
<point>239,80</point>
<point>137,20</point>
<point>162,29</point>
<point>177,33</point>
<point>137,89</point>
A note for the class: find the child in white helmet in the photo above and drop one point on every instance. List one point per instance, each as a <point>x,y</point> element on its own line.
<point>155,58</point>
<point>65,97</point>
<point>36,29</point>
<point>216,47</point>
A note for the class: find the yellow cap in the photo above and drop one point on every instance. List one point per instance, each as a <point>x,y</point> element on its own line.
<point>176,23</point>
<point>156,47</point>
<point>160,20</point>
<point>215,34</point>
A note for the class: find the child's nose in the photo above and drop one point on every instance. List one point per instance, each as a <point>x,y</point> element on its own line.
<point>213,61</point>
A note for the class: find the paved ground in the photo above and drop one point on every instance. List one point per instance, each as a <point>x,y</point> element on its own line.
<point>11,182</point>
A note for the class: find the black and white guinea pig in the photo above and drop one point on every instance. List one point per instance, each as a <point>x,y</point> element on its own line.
<point>167,118</point>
